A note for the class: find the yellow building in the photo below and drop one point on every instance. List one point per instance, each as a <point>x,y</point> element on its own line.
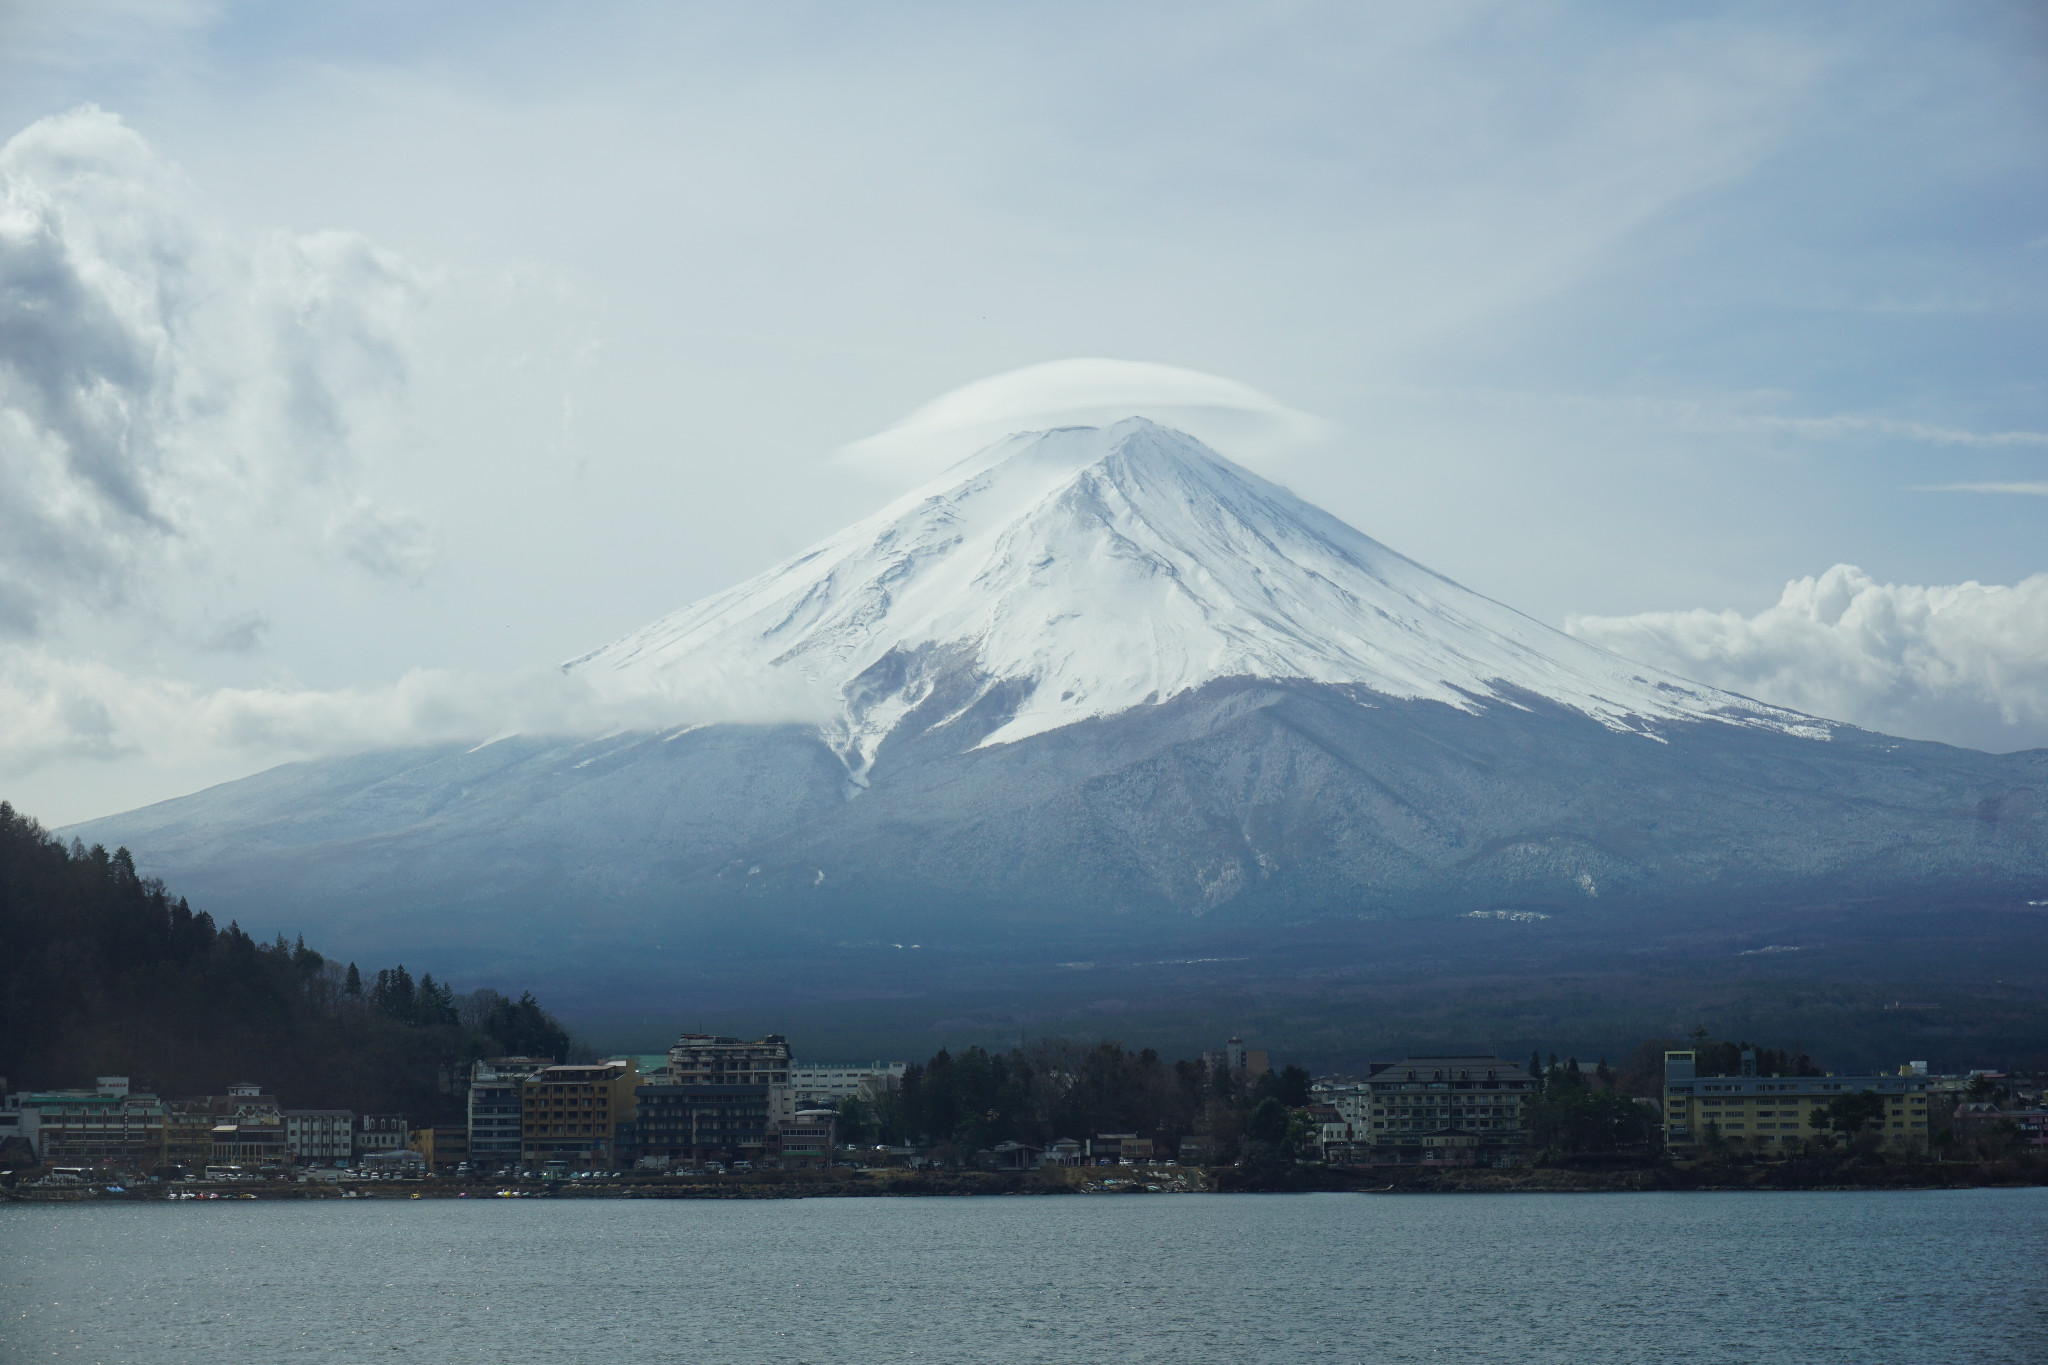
<point>1776,1113</point>
<point>571,1114</point>
<point>442,1146</point>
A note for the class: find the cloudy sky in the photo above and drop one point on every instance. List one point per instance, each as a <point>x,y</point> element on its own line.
<point>357,365</point>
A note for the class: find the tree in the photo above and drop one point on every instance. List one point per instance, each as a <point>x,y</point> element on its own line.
<point>1847,1114</point>
<point>1268,1123</point>
<point>354,986</point>
<point>521,1028</point>
<point>856,1120</point>
<point>1289,1085</point>
<point>1572,1118</point>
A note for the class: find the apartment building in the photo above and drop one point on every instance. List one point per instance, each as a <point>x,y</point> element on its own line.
<point>572,1114</point>
<point>1770,1112</point>
<point>1247,1064</point>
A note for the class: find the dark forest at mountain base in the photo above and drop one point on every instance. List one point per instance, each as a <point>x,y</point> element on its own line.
<point>1867,984</point>
<point>104,972</point>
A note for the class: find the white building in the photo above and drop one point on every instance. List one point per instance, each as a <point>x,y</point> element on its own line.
<point>825,1084</point>
<point>323,1135</point>
<point>381,1134</point>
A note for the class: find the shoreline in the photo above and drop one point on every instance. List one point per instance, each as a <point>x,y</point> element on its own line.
<point>1789,1176</point>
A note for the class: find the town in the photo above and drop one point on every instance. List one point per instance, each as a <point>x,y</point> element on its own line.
<point>716,1107</point>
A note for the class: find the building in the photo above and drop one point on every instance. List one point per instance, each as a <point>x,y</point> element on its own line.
<point>1456,1109</point>
<point>1197,1150</point>
<point>1010,1156</point>
<point>826,1085</point>
<point>688,1124</point>
<point>1247,1064</point>
<point>571,1113</point>
<point>104,1126</point>
<point>320,1136</point>
<point>1066,1152</point>
<point>1980,1119</point>
<point>441,1147</point>
<point>1114,1147</point>
<point>807,1139</point>
<point>1769,1113</point>
<point>1335,1135</point>
<point>711,1059</point>
<point>249,1140</point>
<point>495,1107</point>
<point>188,1133</point>
<point>381,1133</point>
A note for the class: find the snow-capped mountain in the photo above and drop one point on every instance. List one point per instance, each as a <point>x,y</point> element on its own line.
<point>1095,682</point>
<point>1086,571</point>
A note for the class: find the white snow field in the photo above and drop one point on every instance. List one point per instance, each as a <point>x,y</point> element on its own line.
<point>1107,568</point>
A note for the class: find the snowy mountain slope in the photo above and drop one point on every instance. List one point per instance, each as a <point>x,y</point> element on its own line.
<point>1086,571</point>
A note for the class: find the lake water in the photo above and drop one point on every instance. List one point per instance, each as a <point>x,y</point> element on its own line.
<point>1910,1277</point>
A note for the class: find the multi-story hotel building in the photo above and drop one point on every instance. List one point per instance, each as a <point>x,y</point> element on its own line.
<point>496,1108</point>
<point>571,1114</point>
<point>711,1059</point>
<point>694,1123</point>
<point>1450,1109</point>
<point>1770,1112</point>
<point>103,1126</point>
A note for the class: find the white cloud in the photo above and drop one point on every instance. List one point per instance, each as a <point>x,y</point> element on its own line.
<point>1967,664</point>
<point>1232,417</point>
<point>164,385</point>
<point>57,710</point>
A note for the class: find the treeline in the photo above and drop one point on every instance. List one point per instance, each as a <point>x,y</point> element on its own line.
<point>1050,1090</point>
<point>103,972</point>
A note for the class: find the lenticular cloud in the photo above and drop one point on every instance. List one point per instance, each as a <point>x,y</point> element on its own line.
<point>1222,413</point>
<point>1966,664</point>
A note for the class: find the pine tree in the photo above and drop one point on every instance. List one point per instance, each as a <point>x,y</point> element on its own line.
<point>353,986</point>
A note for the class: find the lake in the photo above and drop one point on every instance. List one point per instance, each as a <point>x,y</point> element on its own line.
<point>1909,1276</point>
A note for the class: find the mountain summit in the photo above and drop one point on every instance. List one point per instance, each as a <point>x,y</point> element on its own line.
<point>1082,572</point>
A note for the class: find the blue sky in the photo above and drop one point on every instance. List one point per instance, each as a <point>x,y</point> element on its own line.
<point>443,346</point>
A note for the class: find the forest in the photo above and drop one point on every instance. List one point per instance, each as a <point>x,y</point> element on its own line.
<point>104,972</point>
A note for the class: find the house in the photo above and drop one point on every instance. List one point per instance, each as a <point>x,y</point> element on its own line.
<point>1008,1156</point>
<point>1065,1152</point>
